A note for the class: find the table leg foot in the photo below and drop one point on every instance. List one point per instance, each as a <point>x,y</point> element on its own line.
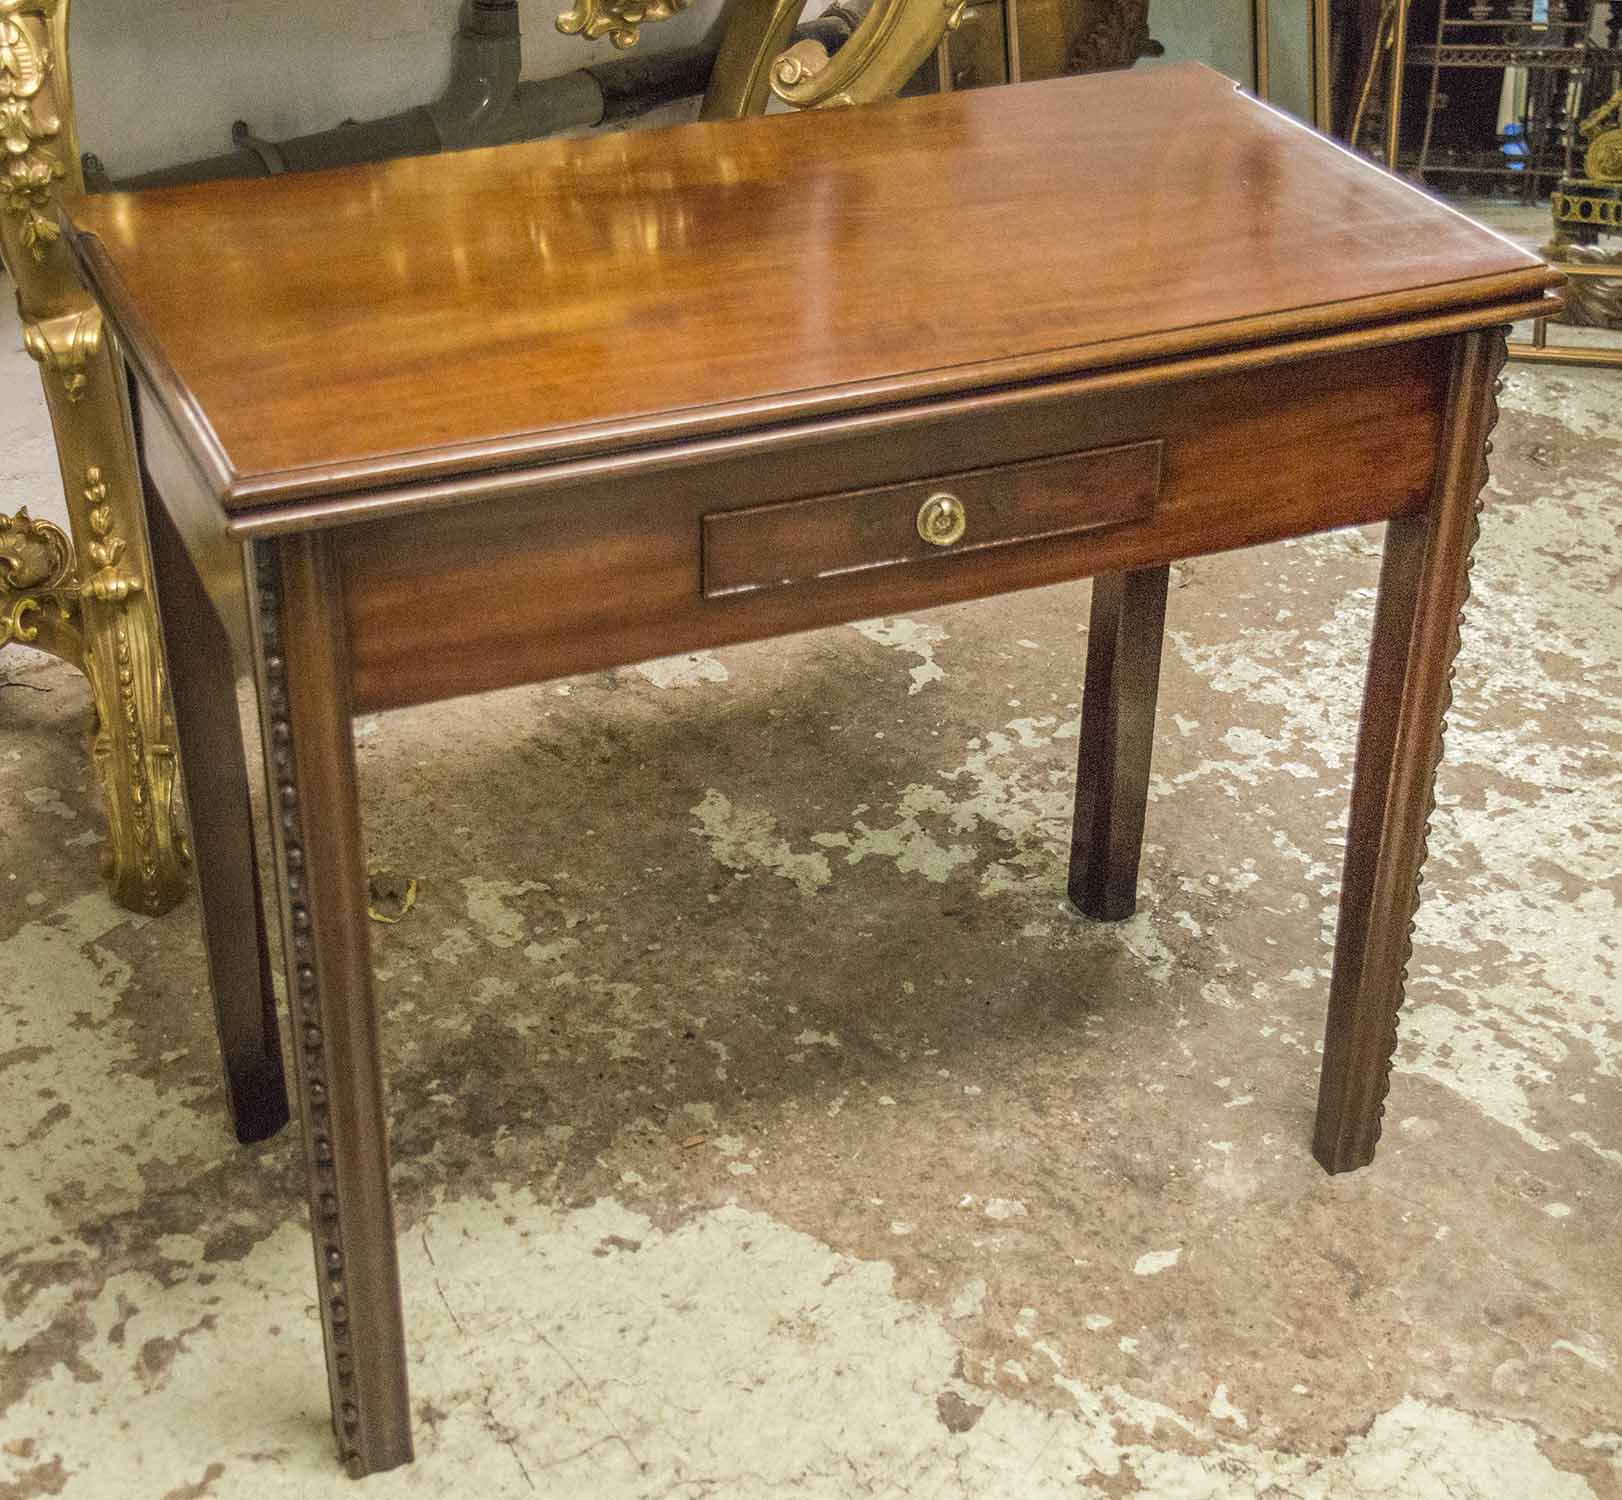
<point>1117,733</point>
<point>1424,581</point>
<point>303,662</point>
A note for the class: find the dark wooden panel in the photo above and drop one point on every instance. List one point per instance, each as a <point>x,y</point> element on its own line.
<point>200,527</point>
<point>202,687</point>
<point>535,586</point>
<point>379,324</point>
<point>767,546</point>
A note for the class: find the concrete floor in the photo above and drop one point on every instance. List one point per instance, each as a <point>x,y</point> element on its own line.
<point>765,1124</point>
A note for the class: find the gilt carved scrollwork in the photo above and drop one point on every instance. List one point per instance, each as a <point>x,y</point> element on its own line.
<point>111,583</point>
<point>131,740</point>
<point>29,123</point>
<point>759,60</point>
<point>91,606</point>
<point>621,21</point>
<point>65,346</point>
<point>885,51</point>
<point>39,596</point>
<point>1601,129</point>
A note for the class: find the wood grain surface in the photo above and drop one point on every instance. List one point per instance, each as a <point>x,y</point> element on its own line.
<point>382,324</point>
<point>795,541</point>
<point>530,586</point>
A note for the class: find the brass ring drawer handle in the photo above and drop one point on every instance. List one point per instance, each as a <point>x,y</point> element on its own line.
<point>942,519</point>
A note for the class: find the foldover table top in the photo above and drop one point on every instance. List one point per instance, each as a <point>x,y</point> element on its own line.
<point>353,329</point>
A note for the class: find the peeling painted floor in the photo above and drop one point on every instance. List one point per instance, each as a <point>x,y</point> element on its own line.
<point>765,1124</point>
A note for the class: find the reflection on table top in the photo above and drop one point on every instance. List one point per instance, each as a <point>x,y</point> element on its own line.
<point>792,263</point>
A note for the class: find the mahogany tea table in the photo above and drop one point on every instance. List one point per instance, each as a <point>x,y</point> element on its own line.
<point>462,422</point>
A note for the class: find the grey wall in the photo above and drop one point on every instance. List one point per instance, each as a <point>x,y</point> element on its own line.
<point>1290,56</point>
<point>160,81</point>
<point>1209,31</point>
<point>1218,32</point>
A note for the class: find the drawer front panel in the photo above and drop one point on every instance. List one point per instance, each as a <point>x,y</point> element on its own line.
<point>612,571</point>
<point>769,546</point>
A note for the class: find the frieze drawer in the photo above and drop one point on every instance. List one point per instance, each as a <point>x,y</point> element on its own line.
<point>929,520</point>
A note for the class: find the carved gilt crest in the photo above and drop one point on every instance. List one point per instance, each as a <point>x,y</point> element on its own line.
<point>31,174</point>
<point>621,21</point>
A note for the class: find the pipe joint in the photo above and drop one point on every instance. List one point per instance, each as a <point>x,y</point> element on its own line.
<point>486,62</point>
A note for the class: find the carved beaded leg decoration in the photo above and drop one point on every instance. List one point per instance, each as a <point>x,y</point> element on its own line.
<point>305,1002</point>
<point>1455,644</point>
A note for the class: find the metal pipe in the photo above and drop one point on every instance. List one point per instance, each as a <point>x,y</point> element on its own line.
<point>485,103</point>
<point>486,62</point>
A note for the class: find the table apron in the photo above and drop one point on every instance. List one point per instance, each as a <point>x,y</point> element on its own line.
<point>530,586</point>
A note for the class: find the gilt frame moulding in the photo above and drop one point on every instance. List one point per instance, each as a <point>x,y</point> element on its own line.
<point>81,595</point>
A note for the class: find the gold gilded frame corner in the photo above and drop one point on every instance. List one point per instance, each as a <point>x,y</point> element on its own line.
<point>757,63</point>
<point>83,599</point>
<point>886,49</point>
<point>621,21</point>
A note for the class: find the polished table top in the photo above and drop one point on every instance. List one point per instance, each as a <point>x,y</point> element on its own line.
<point>447,314</point>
